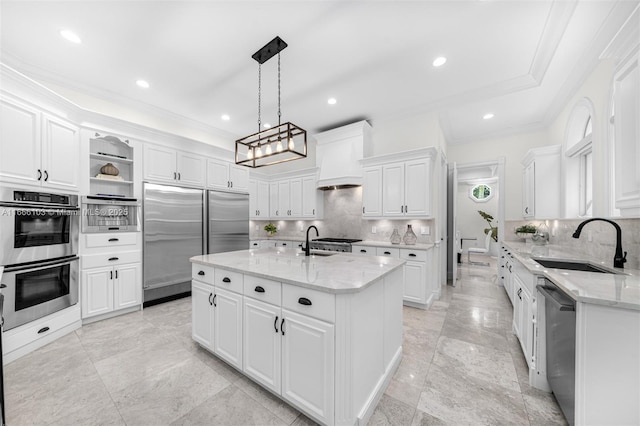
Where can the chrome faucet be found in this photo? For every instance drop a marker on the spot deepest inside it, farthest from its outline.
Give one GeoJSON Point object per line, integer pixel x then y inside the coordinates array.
{"type": "Point", "coordinates": [618, 259]}
{"type": "Point", "coordinates": [306, 247]}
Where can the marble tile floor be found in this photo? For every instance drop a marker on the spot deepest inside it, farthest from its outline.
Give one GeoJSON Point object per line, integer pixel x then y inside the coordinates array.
{"type": "Point", "coordinates": [461, 365]}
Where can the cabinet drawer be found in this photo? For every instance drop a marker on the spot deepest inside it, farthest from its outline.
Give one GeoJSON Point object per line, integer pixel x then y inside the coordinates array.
{"type": "Point", "coordinates": [309, 302]}
{"type": "Point", "coordinates": [364, 250]}
{"type": "Point", "coordinates": [389, 252]}
{"type": "Point", "coordinates": [414, 255]}
{"type": "Point", "coordinates": [110, 259]}
{"type": "Point", "coordinates": [202, 273]}
{"type": "Point", "coordinates": [111, 240]}
{"type": "Point", "coordinates": [228, 280]}
{"type": "Point", "coordinates": [262, 289]}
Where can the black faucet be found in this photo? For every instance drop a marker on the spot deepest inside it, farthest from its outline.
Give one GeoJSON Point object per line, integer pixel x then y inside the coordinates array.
{"type": "Point", "coordinates": [618, 258]}
{"type": "Point", "coordinates": [306, 247]}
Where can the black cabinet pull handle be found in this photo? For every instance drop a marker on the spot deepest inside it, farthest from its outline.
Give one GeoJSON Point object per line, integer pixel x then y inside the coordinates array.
{"type": "Point", "coordinates": [363, 251]}
{"type": "Point", "coordinates": [46, 175]}
{"type": "Point", "coordinates": [259, 289]}
{"type": "Point", "coordinates": [362, 209]}
{"type": "Point", "coordinates": [412, 255]}
{"type": "Point", "coordinates": [214, 300]}
{"type": "Point", "coordinates": [175, 176]}
{"type": "Point", "coordinates": [201, 273]}
{"type": "Point", "coordinates": [116, 274]}
{"type": "Point", "coordinates": [43, 330]}
{"type": "Point", "coordinates": [39, 174]}
{"type": "Point", "coordinates": [178, 175]}
{"type": "Point", "coordinates": [111, 259]}
{"type": "Point", "coordinates": [226, 280]}
{"type": "Point", "coordinates": [282, 326]}
{"type": "Point", "coordinates": [113, 239]}
{"type": "Point", "coordinates": [304, 301]}
{"type": "Point", "coordinates": [210, 301]}
{"type": "Point", "coordinates": [284, 244]}
{"type": "Point", "coordinates": [275, 324]}
{"type": "Point", "coordinates": [110, 275]}
{"type": "Point", "coordinates": [3, 286]}
{"type": "Point", "coordinates": [387, 253]}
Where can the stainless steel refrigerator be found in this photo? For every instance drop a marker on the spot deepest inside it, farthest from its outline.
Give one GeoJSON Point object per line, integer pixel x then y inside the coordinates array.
{"type": "Point", "coordinates": [228, 222]}
{"type": "Point", "coordinates": [174, 231]}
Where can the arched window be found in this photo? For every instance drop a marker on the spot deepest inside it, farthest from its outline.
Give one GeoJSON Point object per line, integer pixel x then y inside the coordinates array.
{"type": "Point", "coordinates": [579, 153]}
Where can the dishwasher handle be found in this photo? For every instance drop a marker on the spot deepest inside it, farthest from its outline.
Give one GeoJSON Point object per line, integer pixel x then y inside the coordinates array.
{"type": "Point", "coordinates": [551, 294]}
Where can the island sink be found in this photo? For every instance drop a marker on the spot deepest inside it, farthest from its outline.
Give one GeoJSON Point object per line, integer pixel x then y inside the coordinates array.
{"type": "Point", "coordinates": [573, 266]}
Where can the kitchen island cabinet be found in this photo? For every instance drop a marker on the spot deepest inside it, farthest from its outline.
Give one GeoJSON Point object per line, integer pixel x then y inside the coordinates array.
{"type": "Point", "coordinates": [324, 333]}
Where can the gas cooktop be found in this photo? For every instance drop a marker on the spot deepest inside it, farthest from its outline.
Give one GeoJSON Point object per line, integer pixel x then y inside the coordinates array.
{"type": "Point", "coordinates": [337, 240]}
{"type": "Point", "coordinates": [333, 244]}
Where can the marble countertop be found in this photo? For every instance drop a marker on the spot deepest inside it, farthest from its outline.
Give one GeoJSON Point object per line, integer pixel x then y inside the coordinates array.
{"type": "Point", "coordinates": [386, 244]}
{"type": "Point", "coordinates": [620, 290]}
{"type": "Point", "coordinates": [338, 273]}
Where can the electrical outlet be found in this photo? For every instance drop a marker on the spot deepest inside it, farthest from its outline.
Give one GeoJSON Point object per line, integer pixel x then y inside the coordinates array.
{"type": "Point", "coordinates": [257, 228]}
{"type": "Point", "coordinates": [424, 230]}
{"type": "Point", "coordinates": [373, 230]}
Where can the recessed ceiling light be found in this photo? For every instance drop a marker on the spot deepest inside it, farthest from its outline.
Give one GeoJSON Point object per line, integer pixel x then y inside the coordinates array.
{"type": "Point", "coordinates": [143, 83]}
{"type": "Point", "coordinates": [70, 36]}
{"type": "Point", "coordinates": [488, 116]}
{"type": "Point", "coordinates": [439, 61]}
{"type": "Point", "coordinates": [266, 125]}
{"type": "Point", "coordinates": [332, 101]}
{"type": "Point", "coordinates": [225, 117]}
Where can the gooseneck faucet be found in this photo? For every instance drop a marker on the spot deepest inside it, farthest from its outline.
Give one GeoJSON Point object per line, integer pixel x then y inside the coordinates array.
{"type": "Point", "coordinates": [306, 247]}
{"type": "Point", "coordinates": [619, 258]}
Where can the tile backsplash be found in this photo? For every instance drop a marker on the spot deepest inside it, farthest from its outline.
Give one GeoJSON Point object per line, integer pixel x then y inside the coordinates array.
{"type": "Point", "coordinates": [602, 235]}
{"type": "Point", "coordinates": [343, 219]}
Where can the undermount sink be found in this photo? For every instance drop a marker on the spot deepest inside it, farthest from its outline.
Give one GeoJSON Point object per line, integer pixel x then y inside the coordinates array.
{"type": "Point", "coordinates": [323, 253]}
{"type": "Point", "coordinates": [573, 266]}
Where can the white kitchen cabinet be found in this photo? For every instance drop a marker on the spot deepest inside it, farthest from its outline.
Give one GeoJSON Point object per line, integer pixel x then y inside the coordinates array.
{"type": "Point", "coordinates": [312, 204]}
{"type": "Point", "coordinates": [225, 176]}
{"type": "Point", "coordinates": [258, 199]}
{"type": "Point", "coordinates": [372, 191]}
{"type": "Point", "coordinates": [262, 343]}
{"type": "Point", "coordinates": [171, 166]}
{"type": "Point", "coordinates": [414, 282]}
{"type": "Point", "coordinates": [308, 364]}
{"type": "Point", "coordinates": [227, 326]}
{"type": "Point", "coordinates": [110, 288]}
{"type": "Point", "coordinates": [393, 189]}
{"type": "Point", "coordinates": [37, 148]}
{"type": "Point", "coordinates": [406, 189]}
{"type": "Point", "coordinates": [541, 183]}
{"type": "Point", "coordinates": [274, 200]}
{"type": "Point", "coordinates": [202, 313]}
{"type": "Point", "coordinates": [284, 199]}
{"type": "Point", "coordinates": [295, 197]}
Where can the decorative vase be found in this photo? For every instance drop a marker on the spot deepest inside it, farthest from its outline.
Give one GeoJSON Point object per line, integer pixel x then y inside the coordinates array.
{"type": "Point", "coordinates": [395, 236]}
{"type": "Point", "coordinates": [109, 169]}
{"type": "Point", "coordinates": [409, 236]}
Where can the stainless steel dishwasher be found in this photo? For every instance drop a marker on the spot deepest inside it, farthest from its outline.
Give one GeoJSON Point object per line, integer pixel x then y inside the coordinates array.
{"type": "Point", "coordinates": [560, 328]}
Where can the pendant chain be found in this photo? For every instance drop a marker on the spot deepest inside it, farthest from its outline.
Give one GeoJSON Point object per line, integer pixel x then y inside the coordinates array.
{"type": "Point", "coordinates": [279, 113]}
{"type": "Point", "coordinates": [259, 90]}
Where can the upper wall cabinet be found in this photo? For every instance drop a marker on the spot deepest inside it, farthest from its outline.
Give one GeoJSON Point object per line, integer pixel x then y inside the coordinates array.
{"type": "Point", "coordinates": [225, 176]}
{"type": "Point", "coordinates": [291, 198]}
{"type": "Point", "coordinates": [37, 148]}
{"type": "Point", "coordinates": [258, 199]}
{"type": "Point", "coordinates": [170, 166]}
{"type": "Point", "coordinates": [108, 149]}
{"type": "Point", "coordinates": [399, 185]}
{"type": "Point", "coordinates": [627, 137]}
{"type": "Point", "coordinates": [541, 183]}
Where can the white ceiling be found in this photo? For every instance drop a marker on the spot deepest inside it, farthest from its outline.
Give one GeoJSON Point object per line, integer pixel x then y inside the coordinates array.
{"type": "Point", "coordinates": [520, 60]}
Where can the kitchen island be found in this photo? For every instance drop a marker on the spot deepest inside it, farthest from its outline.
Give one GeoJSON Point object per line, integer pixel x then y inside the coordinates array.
{"type": "Point", "coordinates": [324, 333]}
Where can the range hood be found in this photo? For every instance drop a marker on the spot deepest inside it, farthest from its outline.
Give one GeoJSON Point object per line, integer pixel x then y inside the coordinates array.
{"type": "Point", "coordinates": [338, 155]}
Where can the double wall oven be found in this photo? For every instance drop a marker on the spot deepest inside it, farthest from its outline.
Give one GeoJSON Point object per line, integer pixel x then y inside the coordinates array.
{"type": "Point", "coordinates": [39, 252]}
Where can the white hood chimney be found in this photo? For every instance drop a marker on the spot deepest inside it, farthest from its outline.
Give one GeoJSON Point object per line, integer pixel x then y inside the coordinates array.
{"type": "Point", "coordinates": [338, 155]}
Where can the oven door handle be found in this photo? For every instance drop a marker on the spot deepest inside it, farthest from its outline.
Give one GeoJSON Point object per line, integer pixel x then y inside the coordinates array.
{"type": "Point", "coordinates": [41, 265]}
{"type": "Point", "coordinates": [48, 208]}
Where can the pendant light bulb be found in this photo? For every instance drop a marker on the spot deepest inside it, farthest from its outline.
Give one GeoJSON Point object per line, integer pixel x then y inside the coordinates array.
{"type": "Point", "coordinates": [259, 152]}
{"type": "Point", "coordinates": [292, 145]}
{"type": "Point", "coordinates": [250, 154]}
{"type": "Point", "coordinates": [279, 146]}
{"type": "Point", "coordinates": [268, 150]}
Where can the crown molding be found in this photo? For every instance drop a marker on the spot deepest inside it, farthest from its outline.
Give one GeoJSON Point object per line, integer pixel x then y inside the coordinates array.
{"type": "Point", "coordinates": [626, 39]}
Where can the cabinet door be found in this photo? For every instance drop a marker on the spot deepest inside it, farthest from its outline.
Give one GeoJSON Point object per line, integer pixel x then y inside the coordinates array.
{"type": "Point", "coordinates": [262, 343]}
{"type": "Point", "coordinates": [192, 169]}
{"type": "Point", "coordinates": [415, 282]}
{"type": "Point", "coordinates": [308, 364]}
{"type": "Point", "coordinates": [60, 154]}
{"type": "Point", "coordinates": [97, 291]}
{"type": "Point", "coordinates": [528, 191]}
{"type": "Point", "coordinates": [526, 326]}
{"type": "Point", "coordinates": [239, 178]}
{"type": "Point", "coordinates": [218, 174]}
{"type": "Point", "coordinates": [295, 198]}
{"type": "Point", "coordinates": [227, 326]}
{"type": "Point", "coordinates": [253, 199]}
{"type": "Point", "coordinates": [127, 289]}
{"type": "Point", "coordinates": [159, 163]}
{"type": "Point", "coordinates": [19, 142]}
{"type": "Point", "coordinates": [202, 313]}
{"type": "Point", "coordinates": [274, 200]}
{"type": "Point", "coordinates": [284, 203]}
{"type": "Point", "coordinates": [393, 189]}
{"type": "Point", "coordinates": [263, 199]}
{"type": "Point", "coordinates": [517, 305]}
{"type": "Point", "coordinates": [372, 191]}
{"type": "Point", "coordinates": [309, 196]}
{"type": "Point", "coordinates": [417, 184]}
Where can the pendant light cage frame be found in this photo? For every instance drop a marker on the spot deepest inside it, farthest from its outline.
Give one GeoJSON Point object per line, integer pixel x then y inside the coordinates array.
{"type": "Point", "coordinates": [279, 144]}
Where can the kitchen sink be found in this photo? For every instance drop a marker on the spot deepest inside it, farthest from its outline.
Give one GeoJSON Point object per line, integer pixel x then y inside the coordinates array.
{"type": "Point", "coordinates": [573, 266]}
{"type": "Point", "coordinates": [323, 253]}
